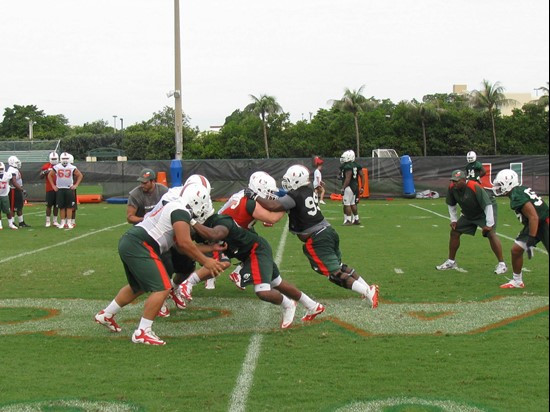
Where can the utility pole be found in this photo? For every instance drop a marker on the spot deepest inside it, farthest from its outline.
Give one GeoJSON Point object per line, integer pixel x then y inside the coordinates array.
{"type": "Point", "coordinates": [177, 92]}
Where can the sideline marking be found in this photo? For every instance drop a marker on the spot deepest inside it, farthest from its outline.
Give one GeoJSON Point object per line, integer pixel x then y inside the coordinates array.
{"type": "Point", "coordinates": [498, 234]}
{"type": "Point", "coordinates": [60, 243]}
{"type": "Point", "coordinates": [240, 392]}
{"type": "Point", "coordinates": [88, 272]}
{"type": "Point", "coordinates": [398, 271]}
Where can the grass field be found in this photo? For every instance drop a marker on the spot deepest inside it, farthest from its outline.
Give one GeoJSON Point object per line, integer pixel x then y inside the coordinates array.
{"type": "Point", "coordinates": [438, 341]}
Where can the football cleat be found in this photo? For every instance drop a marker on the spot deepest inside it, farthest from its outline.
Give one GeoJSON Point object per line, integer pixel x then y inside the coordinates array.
{"type": "Point", "coordinates": [288, 315]}
{"type": "Point", "coordinates": [186, 289]}
{"type": "Point", "coordinates": [13, 227]}
{"type": "Point", "coordinates": [501, 268]}
{"type": "Point", "coordinates": [236, 279]}
{"type": "Point", "coordinates": [164, 312]}
{"type": "Point", "coordinates": [210, 283]}
{"type": "Point", "coordinates": [23, 224]}
{"type": "Point", "coordinates": [322, 202]}
{"type": "Point", "coordinates": [513, 284]}
{"type": "Point", "coordinates": [108, 322]}
{"type": "Point", "coordinates": [48, 224]}
{"type": "Point", "coordinates": [448, 264]}
{"type": "Point", "coordinates": [356, 222]}
{"type": "Point", "coordinates": [147, 337]}
{"type": "Point", "coordinates": [178, 299]}
{"type": "Point", "coordinates": [310, 315]}
{"type": "Point", "coordinates": [347, 223]}
{"type": "Point", "coordinates": [372, 296]}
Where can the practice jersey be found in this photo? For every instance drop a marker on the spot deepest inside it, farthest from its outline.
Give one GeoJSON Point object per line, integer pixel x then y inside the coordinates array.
{"type": "Point", "coordinates": [519, 196]}
{"type": "Point", "coordinates": [145, 202]}
{"type": "Point", "coordinates": [472, 199]}
{"type": "Point", "coordinates": [473, 171]}
{"type": "Point", "coordinates": [303, 210]}
{"type": "Point", "coordinates": [46, 167]}
{"type": "Point", "coordinates": [239, 241]}
{"type": "Point", "coordinates": [240, 208]}
{"type": "Point", "coordinates": [64, 175]}
{"type": "Point", "coordinates": [158, 224]}
{"type": "Point", "coordinates": [354, 167]}
{"type": "Point", "coordinates": [14, 171]}
{"type": "Point", "coordinates": [5, 179]}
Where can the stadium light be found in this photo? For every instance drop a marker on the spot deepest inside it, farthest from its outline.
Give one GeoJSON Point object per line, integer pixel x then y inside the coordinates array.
{"type": "Point", "coordinates": [114, 121]}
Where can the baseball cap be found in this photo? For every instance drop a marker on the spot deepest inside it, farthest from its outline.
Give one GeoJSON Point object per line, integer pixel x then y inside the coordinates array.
{"type": "Point", "coordinates": [318, 161]}
{"type": "Point", "coordinates": [145, 175]}
{"type": "Point", "coordinates": [458, 175]}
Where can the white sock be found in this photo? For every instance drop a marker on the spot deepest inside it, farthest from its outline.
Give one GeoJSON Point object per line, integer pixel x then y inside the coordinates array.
{"type": "Point", "coordinates": [451, 260]}
{"type": "Point", "coordinates": [10, 222]}
{"type": "Point", "coordinates": [73, 221]}
{"type": "Point", "coordinates": [363, 281]}
{"type": "Point", "coordinates": [63, 222]}
{"type": "Point", "coordinates": [287, 302]}
{"type": "Point", "coordinates": [145, 324]}
{"type": "Point", "coordinates": [309, 303]}
{"type": "Point", "coordinates": [355, 218]}
{"type": "Point", "coordinates": [359, 288]}
{"type": "Point", "coordinates": [20, 218]}
{"type": "Point", "coordinates": [347, 218]}
{"type": "Point", "coordinates": [48, 220]}
{"type": "Point", "coordinates": [518, 278]}
{"type": "Point", "coordinates": [238, 269]}
{"type": "Point", "coordinates": [113, 308]}
{"type": "Point", "coordinates": [193, 279]}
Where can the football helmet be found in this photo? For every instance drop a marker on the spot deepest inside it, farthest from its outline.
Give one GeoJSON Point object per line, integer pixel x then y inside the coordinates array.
{"type": "Point", "coordinates": [347, 156]}
{"type": "Point", "coordinates": [71, 158]}
{"type": "Point", "coordinates": [14, 162]}
{"type": "Point", "coordinates": [197, 200]}
{"type": "Point", "coordinates": [54, 158]}
{"type": "Point", "coordinates": [296, 176]}
{"type": "Point", "coordinates": [263, 185]}
{"type": "Point", "coordinates": [2, 167]}
{"type": "Point", "coordinates": [471, 156]}
{"type": "Point", "coordinates": [65, 158]}
{"type": "Point", "coordinates": [505, 181]}
{"type": "Point", "coordinates": [199, 179]}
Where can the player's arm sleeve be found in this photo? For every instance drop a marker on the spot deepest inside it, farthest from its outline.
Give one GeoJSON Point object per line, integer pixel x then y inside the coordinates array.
{"type": "Point", "coordinates": [287, 202]}
{"type": "Point", "coordinates": [489, 215]}
{"type": "Point", "coordinates": [453, 213]}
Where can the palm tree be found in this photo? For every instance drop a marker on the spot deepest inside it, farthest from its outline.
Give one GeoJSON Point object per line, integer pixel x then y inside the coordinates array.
{"type": "Point", "coordinates": [543, 100]}
{"type": "Point", "coordinates": [263, 107]}
{"type": "Point", "coordinates": [491, 97]}
{"type": "Point", "coordinates": [354, 102]}
{"type": "Point", "coordinates": [424, 113]}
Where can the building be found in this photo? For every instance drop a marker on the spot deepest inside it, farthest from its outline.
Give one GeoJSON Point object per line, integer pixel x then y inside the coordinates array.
{"type": "Point", "coordinates": [520, 98]}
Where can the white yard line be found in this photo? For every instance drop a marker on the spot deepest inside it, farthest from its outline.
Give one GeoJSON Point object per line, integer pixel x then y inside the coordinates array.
{"type": "Point", "coordinates": [239, 396]}
{"type": "Point", "coordinates": [498, 234]}
{"type": "Point", "coordinates": [32, 252]}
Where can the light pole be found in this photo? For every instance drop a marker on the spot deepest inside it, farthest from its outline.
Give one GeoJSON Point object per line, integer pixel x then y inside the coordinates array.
{"type": "Point", "coordinates": [177, 92]}
{"type": "Point", "coordinates": [114, 121]}
{"type": "Point", "coordinates": [31, 124]}
{"type": "Point", "coordinates": [121, 124]}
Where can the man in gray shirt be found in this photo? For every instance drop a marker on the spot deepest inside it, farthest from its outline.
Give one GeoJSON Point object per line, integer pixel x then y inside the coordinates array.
{"type": "Point", "coordinates": [143, 198]}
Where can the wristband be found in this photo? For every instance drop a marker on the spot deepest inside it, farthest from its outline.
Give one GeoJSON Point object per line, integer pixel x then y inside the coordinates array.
{"type": "Point", "coordinates": [192, 222]}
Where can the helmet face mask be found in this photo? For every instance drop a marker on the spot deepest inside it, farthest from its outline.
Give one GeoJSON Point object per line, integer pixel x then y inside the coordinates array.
{"type": "Point", "coordinates": [505, 181]}
{"type": "Point", "coordinates": [471, 157]}
{"type": "Point", "coordinates": [54, 158]}
{"type": "Point", "coordinates": [296, 176]}
{"type": "Point", "coordinates": [347, 156]}
{"type": "Point", "coordinates": [197, 201]}
{"type": "Point", "coordinates": [14, 161]}
{"type": "Point", "coordinates": [65, 158]}
{"type": "Point", "coordinates": [263, 185]}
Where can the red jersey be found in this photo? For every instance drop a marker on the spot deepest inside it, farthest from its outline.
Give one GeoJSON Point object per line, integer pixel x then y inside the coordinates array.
{"type": "Point", "coordinates": [240, 208]}
{"type": "Point", "coordinates": [47, 167]}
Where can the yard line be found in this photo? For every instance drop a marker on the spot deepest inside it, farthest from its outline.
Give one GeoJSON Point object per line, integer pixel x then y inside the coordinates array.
{"type": "Point", "coordinates": [498, 234]}
{"type": "Point", "coordinates": [31, 252]}
{"type": "Point", "coordinates": [239, 396]}
{"type": "Point", "coordinates": [398, 271]}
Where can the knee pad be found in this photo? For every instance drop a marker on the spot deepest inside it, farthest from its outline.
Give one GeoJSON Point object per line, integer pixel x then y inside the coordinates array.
{"type": "Point", "coordinates": [346, 269]}
{"type": "Point", "coordinates": [339, 278]}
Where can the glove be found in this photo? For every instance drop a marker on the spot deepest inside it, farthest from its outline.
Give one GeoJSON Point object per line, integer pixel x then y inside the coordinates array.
{"type": "Point", "coordinates": [250, 194]}
{"type": "Point", "coordinates": [531, 242]}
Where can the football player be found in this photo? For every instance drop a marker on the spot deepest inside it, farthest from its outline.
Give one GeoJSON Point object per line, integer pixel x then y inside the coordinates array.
{"type": "Point", "coordinates": [140, 250]}
{"type": "Point", "coordinates": [321, 241]}
{"type": "Point", "coordinates": [350, 172]}
{"type": "Point", "coordinates": [532, 212]}
{"type": "Point", "coordinates": [5, 180]}
{"type": "Point", "coordinates": [478, 210]}
{"type": "Point", "coordinates": [474, 169]}
{"type": "Point", "coordinates": [17, 193]}
{"type": "Point", "coordinates": [50, 193]}
{"type": "Point", "coordinates": [62, 178]}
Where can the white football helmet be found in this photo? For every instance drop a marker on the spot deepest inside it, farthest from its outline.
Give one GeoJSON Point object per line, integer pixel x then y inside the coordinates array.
{"type": "Point", "coordinates": [2, 167]}
{"type": "Point", "coordinates": [54, 158]}
{"type": "Point", "coordinates": [199, 179]}
{"type": "Point", "coordinates": [197, 200]}
{"type": "Point", "coordinates": [347, 156]}
{"type": "Point", "coordinates": [14, 162]}
{"type": "Point", "coordinates": [71, 158]}
{"type": "Point", "coordinates": [263, 185]}
{"type": "Point", "coordinates": [65, 158]}
{"type": "Point", "coordinates": [471, 156]}
{"type": "Point", "coordinates": [296, 176]}
{"type": "Point", "coordinates": [505, 181]}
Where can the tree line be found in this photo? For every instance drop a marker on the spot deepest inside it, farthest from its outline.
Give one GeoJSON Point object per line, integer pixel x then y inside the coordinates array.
{"type": "Point", "coordinates": [439, 125]}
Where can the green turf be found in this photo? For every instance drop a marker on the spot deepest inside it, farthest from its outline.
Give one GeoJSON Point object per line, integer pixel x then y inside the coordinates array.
{"type": "Point", "coordinates": [438, 341]}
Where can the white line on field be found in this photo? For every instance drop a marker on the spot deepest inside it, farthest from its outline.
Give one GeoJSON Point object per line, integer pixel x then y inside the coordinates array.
{"type": "Point", "coordinates": [31, 252]}
{"type": "Point", "coordinates": [398, 271]}
{"type": "Point", "coordinates": [241, 390]}
{"type": "Point", "coordinates": [498, 234]}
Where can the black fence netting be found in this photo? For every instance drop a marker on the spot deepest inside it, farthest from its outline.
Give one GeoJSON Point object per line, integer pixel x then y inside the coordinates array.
{"type": "Point", "coordinates": [116, 179]}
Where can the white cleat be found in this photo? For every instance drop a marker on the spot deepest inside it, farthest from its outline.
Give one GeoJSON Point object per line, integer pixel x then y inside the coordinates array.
{"type": "Point", "coordinates": [288, 315]}
{"type": "Point", "coordinates": [501, 268]}
{"type": "Point", "coordinates": [448, 264]}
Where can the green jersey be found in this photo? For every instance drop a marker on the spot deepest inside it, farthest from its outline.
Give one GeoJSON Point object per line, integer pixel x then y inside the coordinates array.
{"type": "Point", "coordinates": [354, 168]}
{"type": "Point", "coordinates": [472, 199]}
{"type": "Point", "coordinates": [239, 241]}
{"type": "Point", "coordinates": [473, 171]}
{"type": "Point", "coordinates": [519, 196]}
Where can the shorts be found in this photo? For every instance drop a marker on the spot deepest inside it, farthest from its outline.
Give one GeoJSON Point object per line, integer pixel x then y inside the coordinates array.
{"type": "Point", "coordinates": [16, 199]}
{"type": "Point", "coordinates": [469, 227]}
{"type": "Point", "coordinates": [350, 197]}
{"type": "Point", "coordinates": [50, 198]}
{"type": "Point", "coordinates": [323, 251]}
{"type": "Point", "coordinates": [542, 235]}
{"type": "Point", "coordinates": [65, 198]}
{"type": "Point", "coordinates": [144, 268]}
{"type": "Point", "coordinates": [259, 266]}
{"type": "Point", "coordinates": [5, 204]}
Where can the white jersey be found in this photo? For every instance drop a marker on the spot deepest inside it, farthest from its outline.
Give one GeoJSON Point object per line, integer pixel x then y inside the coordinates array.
{"type": "Point", "coordinates": [158, 223]}
{"type": "Point", "coordinates": [317, 178]}
{"type": "Point", "coordinates": [64, 175]}
{"type": "Point", "coordinates": [5, 179]}
{"type": "Point", "coordinates": [14, 171]}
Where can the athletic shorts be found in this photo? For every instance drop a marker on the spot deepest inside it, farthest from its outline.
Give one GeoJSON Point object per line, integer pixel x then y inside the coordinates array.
{"type": "Point", "coordinates": [143, 266]}
{"type": "Point", "coordinates": [16, 199]}
{"type": "Point", "coordinates": [350, 197]}
{"type": "Point", "coordinates": [323, 251]}
{"type": "Point", "coordinates": [259, 266]}
{"type": "Point", "coordinates": [51, 198]}
{"type": "Point", "coordinates": [469, 227]}
{"type": "Point", "coordinates": [5, 204]}
{"type": "Point", "coordinates": [542, 234]}
{"type": "Point", "coordinates": [65, 198]}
